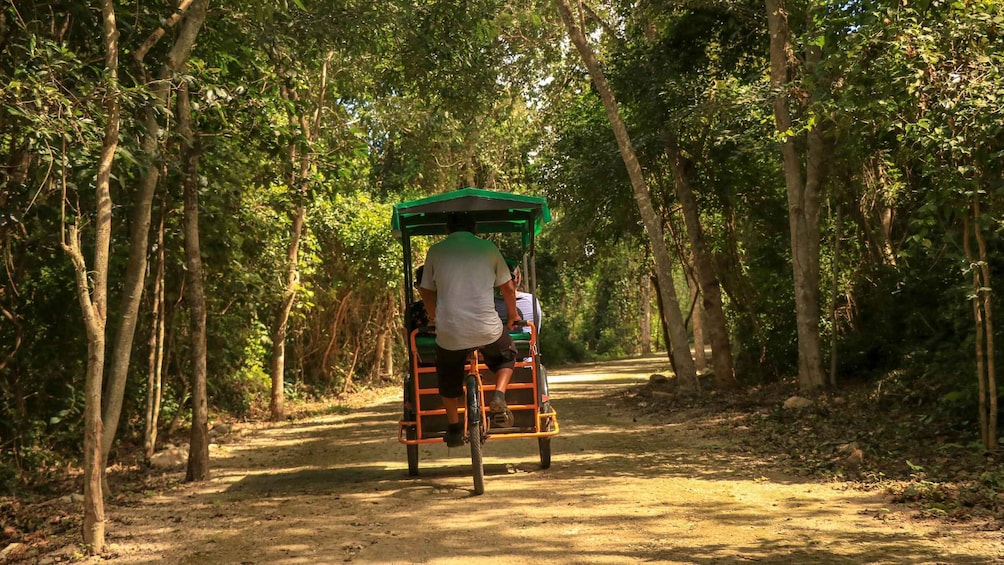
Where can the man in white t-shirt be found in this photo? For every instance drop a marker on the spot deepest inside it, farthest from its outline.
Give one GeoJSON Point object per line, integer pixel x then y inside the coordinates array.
{"type": "Point", "coordinates": [457, 288]}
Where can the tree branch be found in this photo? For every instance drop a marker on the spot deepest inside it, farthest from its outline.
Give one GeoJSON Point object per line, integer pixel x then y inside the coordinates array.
{"type": "Point", "coordinates": [154, 37]}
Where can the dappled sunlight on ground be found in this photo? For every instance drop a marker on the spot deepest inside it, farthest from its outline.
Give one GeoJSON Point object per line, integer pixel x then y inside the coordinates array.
{"type": "Point", "coordinates": [622, 489]}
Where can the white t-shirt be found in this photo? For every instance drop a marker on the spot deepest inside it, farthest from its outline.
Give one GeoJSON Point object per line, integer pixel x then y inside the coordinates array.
{"type": "Point", "coordinates": [463, 270]}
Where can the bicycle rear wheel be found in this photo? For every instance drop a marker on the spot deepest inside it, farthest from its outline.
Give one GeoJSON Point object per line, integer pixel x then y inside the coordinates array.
{"type": "Point", "coordinates": [474, 435]}
{"type": "Point", "coordinates": [475, 431]}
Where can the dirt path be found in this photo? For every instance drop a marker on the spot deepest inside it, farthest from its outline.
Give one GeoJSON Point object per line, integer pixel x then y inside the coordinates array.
{"type": "Point", "coordinates": [334, 489]}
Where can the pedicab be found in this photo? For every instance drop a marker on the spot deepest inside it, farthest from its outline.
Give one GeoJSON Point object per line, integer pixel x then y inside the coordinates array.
{"type": "Point", "coordinates": [424, 417]}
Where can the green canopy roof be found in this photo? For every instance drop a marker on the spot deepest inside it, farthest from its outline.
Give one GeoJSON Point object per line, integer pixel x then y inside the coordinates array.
{"type": "Point", "coordinates": [494, 212]}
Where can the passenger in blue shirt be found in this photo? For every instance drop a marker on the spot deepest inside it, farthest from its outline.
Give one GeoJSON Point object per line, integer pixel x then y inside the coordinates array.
{"type": "Point", "coordinates": [525, 302]}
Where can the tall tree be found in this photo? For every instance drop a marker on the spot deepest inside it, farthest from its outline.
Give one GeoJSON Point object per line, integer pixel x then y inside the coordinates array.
{"type": "Point", "coordinates": [683, 361]}
{"type": "Point", "coordinates": [93, 297]}
{"type": "Point", "coordinates": [155, 360]}
{"type": "Point", "coordinates": [198, 449]}
{"type": "Point", "coordinates": [712, 319]}
{"type": "Point", "coordinates": [192, 14]}
{"type": "Point", "coordinates": [301, 156]}
{"type": "Point", "coordinates": [803, 195]}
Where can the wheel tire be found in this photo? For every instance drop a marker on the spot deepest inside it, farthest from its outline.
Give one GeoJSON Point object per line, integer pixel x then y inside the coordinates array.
{"type": "Point", "coordinates": [411, 433]}
{"type": "Point", "coordinates": [544, 443]}
{"type": "Point", "coordinates": [477, 457]}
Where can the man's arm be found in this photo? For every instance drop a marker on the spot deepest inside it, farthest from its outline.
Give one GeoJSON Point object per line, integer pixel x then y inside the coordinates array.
{"type": "Point", "coordinates": [508, 291]}
{"type": "Point", "coordinates": [429, 299]}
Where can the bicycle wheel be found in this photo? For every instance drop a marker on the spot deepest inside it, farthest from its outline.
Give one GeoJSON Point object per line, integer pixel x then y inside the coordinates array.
{"type": "Point", "coordinates": [411, 433]}
{"type": "Point", "coordinates": [544, 444]}
{"type": "Point", "coordinates": [475, 432]}
{"type": "Point", "coordinates": [477, 457]}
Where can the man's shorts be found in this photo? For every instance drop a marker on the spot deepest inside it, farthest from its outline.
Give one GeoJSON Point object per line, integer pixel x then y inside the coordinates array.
{"type": "Point", "coordinates": [450, 364]}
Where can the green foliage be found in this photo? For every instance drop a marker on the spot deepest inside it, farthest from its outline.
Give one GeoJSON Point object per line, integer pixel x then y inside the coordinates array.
{"type": "Point", "coordinates": [240, 389]}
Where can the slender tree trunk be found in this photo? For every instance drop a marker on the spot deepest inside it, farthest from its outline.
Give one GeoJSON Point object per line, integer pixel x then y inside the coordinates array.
{"type": "Point", "coordinates": [803, 199]}
{"type": "Point", "coordinates": [986, 291]}
{"type": "Point", "coordinates": [134, 279]}
{"type": "Point", "coordinates": [983, 318]}
{"type": "Point", "coordinates": [389, 356]}
{"type": "Point", "coordinates": [680, 344]}
{"type": "Point", "coordinates": [279, 329]}
{"type": "Point", "coordinates": [169, 341]}
{"type": "Point", "coordinates": [697, 323]}
{"type": "Point", "coordinates": [645, 313]}
{"type": "Point", "coordinates": [156, 359]}
{"type": "Point", "coordinates": [716, 327]}
{"type": "Point", "coordinates": [835, 290]}
{"type": "Point", "coordinates": [279, 325]}
{"type": "Point", "coordinates": [378, 353]}
{"type": "Point", "coordinates": [140, 225]}
{"type": "Point", "coordinates": [198, 449]}
{"type": "Point", "coordinates": [333, 339]}
{"type": "Point", "coordinates": [665, 330]}
{"type": "Point", "coordinates": [94, 299]}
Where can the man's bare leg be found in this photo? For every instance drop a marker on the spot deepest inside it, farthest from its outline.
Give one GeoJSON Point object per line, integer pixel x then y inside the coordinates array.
{"type": "Point", "coordinates": [454, 429]}
{"type": "Point", "coordinates": [498, 404]}
{"type": "Point", "coordinates": [502, 378]}
{"type": "Point", "coordinates": [452, 412]}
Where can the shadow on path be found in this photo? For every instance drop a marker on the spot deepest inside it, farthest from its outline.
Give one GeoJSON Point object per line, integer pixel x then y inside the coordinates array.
{"type": "Point", "coordinates": [335, 488]}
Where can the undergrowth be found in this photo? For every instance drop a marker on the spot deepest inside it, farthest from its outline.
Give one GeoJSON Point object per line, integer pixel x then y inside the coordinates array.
{"type": "Point", "coordinates": [914, 442]}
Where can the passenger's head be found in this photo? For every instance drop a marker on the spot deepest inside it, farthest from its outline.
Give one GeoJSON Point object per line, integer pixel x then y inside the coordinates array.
{"type": "Point", "coordinates": [460, 221]}
{"type": "Point", "coordinates": [514, 271]}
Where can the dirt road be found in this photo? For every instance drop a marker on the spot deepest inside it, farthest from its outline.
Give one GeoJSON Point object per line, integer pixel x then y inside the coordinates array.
{"type": "Point", "coordinates": [335, 489]}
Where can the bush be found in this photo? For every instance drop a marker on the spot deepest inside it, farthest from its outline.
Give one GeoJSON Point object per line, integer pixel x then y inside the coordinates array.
{"type": "Point", "coordinates": [557, 345]}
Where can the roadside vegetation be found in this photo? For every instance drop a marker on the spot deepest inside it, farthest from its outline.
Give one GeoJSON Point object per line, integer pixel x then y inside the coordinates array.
{"type": "Point", "coordinates": [906, 441]}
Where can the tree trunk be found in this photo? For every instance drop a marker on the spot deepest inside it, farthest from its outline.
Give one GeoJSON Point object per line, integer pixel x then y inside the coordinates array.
{"type": "Point", "coordinates": [645, 313]}
{"type": "Point", "coordinates": [378, 352]}
{"type": "Point", "coordinates": [389, 356]}
{"type": "Point", "coordinates": [94, 299]}
{"type": "Point", "coordinates": [333, 339]}
{"type": "Point", "coordinates": [983, 318]}
{"type": "Point", "coordinates": [140, 225]}
{"type": "Point", "coordinates": [279, 325]}
{"type": "Point", "coordinates": [680, 344]}
{"type": "Point", "coordinates": [835, 289]}
{"type": "Point", "coordinates": [697, 323]}
{"type": "Point", "coordinates": [198, 449]}
{"type": "Point", "coordinates": [803, 199]}
{"type": "Point", "coordinates": [134, 278]}
{"type": "Point", "coordinates": [169, 341]}
{"type": "Point", "coordinates": [155, 362]}
{"type": "Point", "coordinates": [716, 325]}
{"type": "Point", "coordinates": [94, 322]}
{"type": "Point", "coordinates": [665, 330]}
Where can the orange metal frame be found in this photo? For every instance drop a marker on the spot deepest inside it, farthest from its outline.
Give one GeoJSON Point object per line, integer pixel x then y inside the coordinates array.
{"type": "Point", "coordinates": [418, 392]}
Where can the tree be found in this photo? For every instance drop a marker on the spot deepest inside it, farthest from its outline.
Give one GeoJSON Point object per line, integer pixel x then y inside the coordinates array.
{"type": "Point", "coordinates": [192, 14]}
{"type": "Point", "coordinates": [682, 360]}
{"type": "Point", "coordinates": [920, 88]}
{"type": "Point", "coordinates": [716, 325]}
{"type": "Point", "coordinates": [299, 216]}
{"type": "Point", "coordinates": [198, 452]}
{"type": "Point", "coordinates": [803, 197]}
{"type": "Point", "coordinates": [94, 299]}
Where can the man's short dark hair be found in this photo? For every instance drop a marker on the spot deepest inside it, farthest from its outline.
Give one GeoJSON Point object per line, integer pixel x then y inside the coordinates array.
{"type": "Point", "coordinates": [460, 221]}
